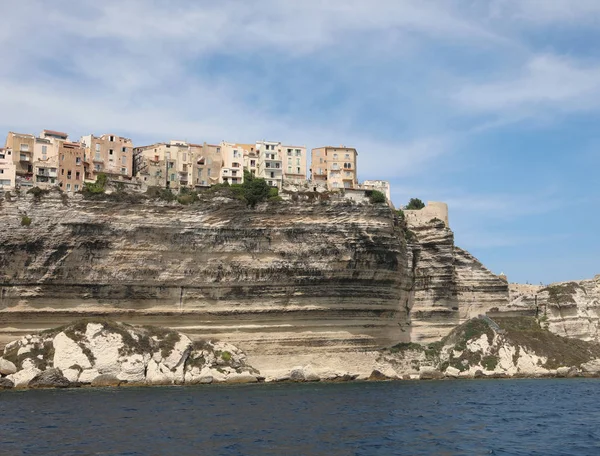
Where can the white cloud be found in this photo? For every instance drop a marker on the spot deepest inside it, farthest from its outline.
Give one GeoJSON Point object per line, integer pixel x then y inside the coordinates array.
{"type": "Point", "coordinates": [546, 81]}
{"type": "Point", "coordinates": [575, 12]}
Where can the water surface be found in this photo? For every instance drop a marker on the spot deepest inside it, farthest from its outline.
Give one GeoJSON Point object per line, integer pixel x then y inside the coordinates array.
{"type": "Point", "coordinates": [501, 417]}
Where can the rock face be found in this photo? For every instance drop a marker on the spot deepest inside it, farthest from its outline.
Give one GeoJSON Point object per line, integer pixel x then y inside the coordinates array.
{"type": "Point", "coordinates": [451, 286]}
{"type": "Point", "coordinates": [50, 378]}
{"type": "Point", "coordinates": [292, 276]}
{"type": "Point", "coordinates": [505, 347]}
{"type": "Point", "coordinates": [107, 353]}
{"type": "Point", "coordinates": [570, 309]}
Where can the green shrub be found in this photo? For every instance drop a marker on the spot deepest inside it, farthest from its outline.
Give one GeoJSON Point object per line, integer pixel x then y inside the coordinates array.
{"type": "Point", "coordinates": [163, 194]}
{"type": "Point", "coordinates": [226, 356]}
{"type": "Point", "coordinates": [187, 198]}
{"type": "Point", "coordinates": [415, 204]}
{"type": "Point", "coordinates": [377, 197]}
{"type": "Point", "coordinates": [25, 221]}
{"type": "Point", "coordinates": [97, 187]}
{"type": "Point", "coordinates": [37, 192]}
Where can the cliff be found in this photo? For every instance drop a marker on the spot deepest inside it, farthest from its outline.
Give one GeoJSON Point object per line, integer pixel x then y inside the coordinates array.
{"type": "Point", "coordinates": [287, 282]}
{"type": "Point", "coordinates": [569, 309]}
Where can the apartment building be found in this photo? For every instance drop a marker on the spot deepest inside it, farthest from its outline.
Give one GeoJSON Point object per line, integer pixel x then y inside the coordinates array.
{"type": "Point", "coordinates": [294, 162]}
{"type": "Point", "coordinates": [206, 164]}
{"type": "Point", "coordinates": [8, 170]}
{"type": "Point", "coordinates": [109, 154]}
{"type": "Point", "coordinates": [232, 170]}
{"type": "Point", "coordinates": [22, 146]}
{"type": "Point", "coordinates": [167, 165]}
{"type": "Point", "coordinates": [270, 163]}
{"type": "Point", "coordinates": [335, 166]}
{"type": "Point", "coordinates": [70, 166]}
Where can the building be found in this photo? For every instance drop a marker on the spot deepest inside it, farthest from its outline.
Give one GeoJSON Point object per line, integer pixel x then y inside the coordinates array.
{"type": "Point", "coordinates": [379, 185]}
{"type": "Point", "coordinates": [336, 166]}
{"type": "Point", "coordinates": [166, 165]}
{"type": "Point", "coordinates": [294, 163]}
{"type": "Point", "coordinates": [109, 154]}
{"type": "Point", "coordinates": [45, 158]}
{"type": "Point", "coordinates": [22, 146]}
{"type": "Point", "coordinates": [270, 163]}
{"type": "Point", "coordinates": [232, 169]}
{"type": "Point", "coordinates": [70, 166]}
{"type": "Point", "coordinates": [8, 170]}
{"type": "Point", "coordinates": [206, 164]}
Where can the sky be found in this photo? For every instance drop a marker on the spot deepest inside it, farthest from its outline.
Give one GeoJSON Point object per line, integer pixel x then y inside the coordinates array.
{"type": "Point", "coordinates": [492, 106]}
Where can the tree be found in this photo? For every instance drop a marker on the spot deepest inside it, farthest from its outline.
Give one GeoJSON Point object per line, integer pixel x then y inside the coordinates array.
{"type": "Point", "coordinates": [415, 204]}
{"type": "Point", "coordinates": [255, 189]}
{"type": "Point", "coordinates": [377, 197]}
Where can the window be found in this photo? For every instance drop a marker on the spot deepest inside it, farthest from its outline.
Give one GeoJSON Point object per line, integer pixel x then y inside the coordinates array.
{"type": "Point", "coordinates": [156, 158]}
{"type": "Point", "coordinates": [62, 157]}
{"type": "Point", "coordinates": [110, 151]}
{"type": "Point", "coordinates": [184, 157]}
{"type": "Point", "coordinates": [44, 150]}
{"type": "Point", "coordinates": [111, 139]}
{"type": "Point", "coordinates": [200, 172]}
{"type": "Point", "coordinates": [289, 152]}
{"type": "Point", "coordinates": [272, 174]}
{"type": "Point", "coordinates": [124, 160]}
{"type": "Point", "coordinates": [298, 170]}
{"type": "Point", "coordinates": [335, 156]}
{"type": "Point", "coordinates": [320, 160]}
{"type": "Point", "coordinates": [347, 184]}
{"type": "Point", "coordinates": [76, 187]}
{"type": "Point", "coordinates": [298, 153]}
{"type": "Point", "coordinates": [335, 166]}
{"type": "Point", "coordinates": [69, 174]}
{"type": "Point", "coordinates": [1, 171]}
{"type": "Point", "coordinates": [218, 150]}
{"type": "Point", "coordinates": [77, 175]}
{"type": "Point", "coordinates": [172, 177]}
{"type": "Point", "coordinates": [297, 161]}
{"type": "Point", "coordinates": [347, 156]}
{"type": "Point", "coordinates": [97, 156]}
{"type": "Point", "coordinates": [24, 147]}
{"type": "Point", "coordinates": [97, 147]}
{"type": "Point", "coordinates": [23, 157]}
{"type": "Point", "coordinates": [335, 185]}
{"type": "Point", "coordinates": [78, 160]}
{"type": "Point", "coordinates": [171, 165]}
{"type": "Point", "coordinates": [68, 187]}
{"type": "Point", "coordinates": [289, 168]}
{"type": "Point", "coordinates": [124, 149]}
{"type": "Point", "coordinates": [123, 170]}
{"type": "Point", "coordinates": [208, 172]}
{"type": "Point", "coordinates": [62, 172]}
{"type": "Point", "coordinates": [96, 167]}
{"type": "Point", "coordinates": [253, 163]}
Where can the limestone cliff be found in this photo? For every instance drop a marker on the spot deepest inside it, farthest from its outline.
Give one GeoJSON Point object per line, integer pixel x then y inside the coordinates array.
{"type": "Point", "coordinates": [451, 286]}
{"type": "Point", "coordinates": [278, 278]}
{"type": "Point", "coordinates": [570, 309]}
{"type": "Point", "coordinates": [286, 282]}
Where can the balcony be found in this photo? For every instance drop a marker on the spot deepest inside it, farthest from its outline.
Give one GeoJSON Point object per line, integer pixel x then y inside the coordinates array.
{"type": "Point", "coordinates": [25, 156]}
{"type": "Point", "coordinates": [46, 173]}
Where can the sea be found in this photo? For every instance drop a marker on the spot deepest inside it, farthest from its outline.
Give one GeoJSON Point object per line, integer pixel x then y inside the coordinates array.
{"type": "Point", "coordinates": [458, 417]}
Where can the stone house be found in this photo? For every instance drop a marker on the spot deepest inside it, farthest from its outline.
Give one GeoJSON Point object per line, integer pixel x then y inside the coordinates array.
{"type": "Point", "coordinates": [336, 166]}
{"type": "Point", "coordinates": [70, 166]}
{"type": "Point", "coordinates": [109, 154]}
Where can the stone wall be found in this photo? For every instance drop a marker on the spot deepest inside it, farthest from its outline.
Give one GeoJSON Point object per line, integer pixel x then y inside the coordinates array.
{"type": "Point", "coordinates": [431, 211]}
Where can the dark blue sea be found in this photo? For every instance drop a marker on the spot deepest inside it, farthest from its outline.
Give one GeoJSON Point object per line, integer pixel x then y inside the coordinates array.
{"type": "Point", "coordinates": [471, 417]}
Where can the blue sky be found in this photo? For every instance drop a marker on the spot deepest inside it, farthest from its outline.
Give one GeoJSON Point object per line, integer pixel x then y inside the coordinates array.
{"type": "Point", "coordinates": [489, 105]}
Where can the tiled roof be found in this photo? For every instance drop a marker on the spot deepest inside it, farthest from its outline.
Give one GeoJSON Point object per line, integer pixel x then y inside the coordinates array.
{"type": "Point", "coordinates": [56, 133]}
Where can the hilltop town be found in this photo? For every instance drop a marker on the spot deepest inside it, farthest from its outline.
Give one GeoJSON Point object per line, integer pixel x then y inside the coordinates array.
{"type": "Point", "coordinates": [53, 160]}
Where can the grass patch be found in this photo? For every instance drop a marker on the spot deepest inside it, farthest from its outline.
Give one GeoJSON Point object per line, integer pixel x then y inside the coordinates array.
{"type": "Point", "coordinates": [562, 293]}
{"type": "Point", "coordinates": [559, 351]}
{"type": "Point", "coordinates": [25, 221]}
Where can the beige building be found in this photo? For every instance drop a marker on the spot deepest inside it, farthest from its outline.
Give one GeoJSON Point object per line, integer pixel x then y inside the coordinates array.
{"type": "Point", "coordinates": [167, 165]}
{"type": "Point", "coordinates": [8, 170]}
{"type": "Point", "coordinates": [232, 169]}
{"type": "Point", "coordinates": [70, 166]}
{"type": "Point", "coordinates": [45, 158]}
{"type": "Point", "coordinates": [206, 165]}
{"type": "Point", "coordinates": [336, 166]}
{"type": "Point", "coordinates": [22, 146]}
{"type": "Point", "coordinates": [270, 163]}
{"type": "Point", "coordinates": [379, 185]}
{"type": "Point", "coordinates": [294, 163]}
{"type": "Point", "coordinates": [109, 154]}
